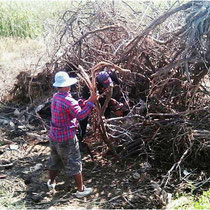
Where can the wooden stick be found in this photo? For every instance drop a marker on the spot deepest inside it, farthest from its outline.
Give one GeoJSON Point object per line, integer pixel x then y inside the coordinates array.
{"type": "Point", "coordinates": [108, 97]}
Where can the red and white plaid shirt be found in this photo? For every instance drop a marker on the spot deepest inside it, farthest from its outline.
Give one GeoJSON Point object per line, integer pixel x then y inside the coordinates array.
{"type": "Point", "coordinates": [65, 113]}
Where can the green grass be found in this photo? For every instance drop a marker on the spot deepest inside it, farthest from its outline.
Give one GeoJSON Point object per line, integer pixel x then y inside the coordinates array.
{"type": "Point", "coordinates": [26, 18]}
{"type": "Point", "coordinates": [188, 201]}
{"type": "Point", "coordinates": [203, 202]}
{"type": "Point", "coordinates": [18, 22]}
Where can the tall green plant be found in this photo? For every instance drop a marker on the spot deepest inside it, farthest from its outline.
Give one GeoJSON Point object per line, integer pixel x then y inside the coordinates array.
{"type": "Point", "coordinates": [26, 18]}
{"type": "Point", "coordinates": [16, 21]}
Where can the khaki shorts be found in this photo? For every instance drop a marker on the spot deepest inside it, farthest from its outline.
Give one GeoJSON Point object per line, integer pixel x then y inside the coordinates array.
{"type": "Point", "coordinates": [66, 155]}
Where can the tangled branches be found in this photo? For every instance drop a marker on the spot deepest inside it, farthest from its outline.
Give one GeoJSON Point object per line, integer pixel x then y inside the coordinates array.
{"type": "Point", "coordinates": [168, 56]}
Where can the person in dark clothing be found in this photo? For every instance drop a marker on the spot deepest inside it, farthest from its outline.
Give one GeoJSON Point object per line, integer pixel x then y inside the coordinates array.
{"type": "Point", "coordinates": [104, 80]}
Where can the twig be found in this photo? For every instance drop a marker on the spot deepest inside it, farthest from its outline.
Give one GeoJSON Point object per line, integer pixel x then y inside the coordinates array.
{"type": "Point", "coordinates": [175, 166]}
{"type": "Point", "coordinates": [126, 200]}
{"type": "Point", "coordinates": [6, 165]}
{"type": "Point", "coordinates": [201, 184]}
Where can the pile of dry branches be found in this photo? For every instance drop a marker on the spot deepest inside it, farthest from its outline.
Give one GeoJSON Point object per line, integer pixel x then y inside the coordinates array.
{"type": "Point", "coordinates": [168, 61]}
{"type": "Point", "coordinates": [168, 56]}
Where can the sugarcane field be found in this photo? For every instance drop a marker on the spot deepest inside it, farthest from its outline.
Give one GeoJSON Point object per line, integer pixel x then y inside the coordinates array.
{"type": "Point", "coordinates": [120, 88]}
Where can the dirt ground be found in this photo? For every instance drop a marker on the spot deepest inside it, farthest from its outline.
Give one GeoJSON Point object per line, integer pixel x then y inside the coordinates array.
{"type": "Point", "coordinates": [115, 185]}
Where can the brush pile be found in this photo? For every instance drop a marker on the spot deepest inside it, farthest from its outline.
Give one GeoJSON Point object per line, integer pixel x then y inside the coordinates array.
{"type": "Point", "coordinates": [168, 56]}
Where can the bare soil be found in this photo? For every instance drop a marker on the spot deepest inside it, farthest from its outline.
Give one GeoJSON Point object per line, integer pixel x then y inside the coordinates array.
{"type": "Point", "coordinates": [114, 183]}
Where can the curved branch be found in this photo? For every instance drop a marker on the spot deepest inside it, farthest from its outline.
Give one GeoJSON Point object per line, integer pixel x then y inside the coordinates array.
{"type": "Point", "coordinates": [96, 31]}
{"type": "Point", "coordinates": [153, 25]}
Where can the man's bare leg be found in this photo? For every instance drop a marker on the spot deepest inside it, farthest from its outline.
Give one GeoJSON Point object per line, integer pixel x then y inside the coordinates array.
{"type": "Point", "coordinates": [79, 181]}
{"type": "Point", "coordinates": [53, 174]}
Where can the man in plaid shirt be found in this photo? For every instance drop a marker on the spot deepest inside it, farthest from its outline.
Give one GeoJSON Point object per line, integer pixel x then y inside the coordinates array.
{"type": "Point", "coordinates": [65, 113]}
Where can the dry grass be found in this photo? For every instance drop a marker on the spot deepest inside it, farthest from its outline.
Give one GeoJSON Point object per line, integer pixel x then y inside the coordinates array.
{"type": "Point", "coordinates": [19, 55]}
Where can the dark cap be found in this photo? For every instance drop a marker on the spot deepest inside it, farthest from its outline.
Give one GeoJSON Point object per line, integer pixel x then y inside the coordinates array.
{"type": "Point", "coordinates": [104, 79]}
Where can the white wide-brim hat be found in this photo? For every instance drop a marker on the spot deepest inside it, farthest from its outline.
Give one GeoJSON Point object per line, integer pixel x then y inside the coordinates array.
{"type": "Point", "coordinates": [62, 79]}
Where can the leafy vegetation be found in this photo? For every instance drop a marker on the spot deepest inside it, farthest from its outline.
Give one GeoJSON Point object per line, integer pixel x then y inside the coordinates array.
{"type": "Point", "coordinates": [203, 201]}
{"type": "Point", "coordinates": [188, 201]}
{"type": "Point", "coordinates": [27, 18]}
{"type": "Point", "coordinates": [18, 22]}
